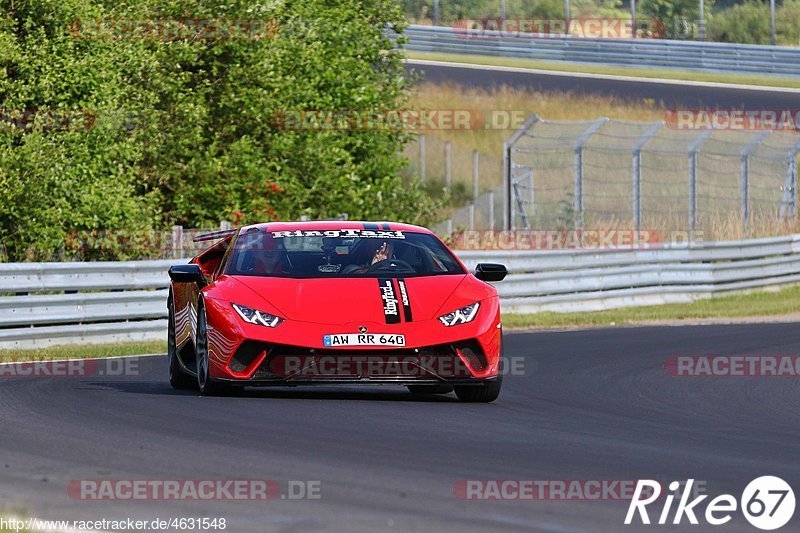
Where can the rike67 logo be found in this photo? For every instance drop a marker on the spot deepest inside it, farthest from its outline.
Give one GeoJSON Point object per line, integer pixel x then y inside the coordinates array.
{"type": "Point", "coordinates": [767, 503]}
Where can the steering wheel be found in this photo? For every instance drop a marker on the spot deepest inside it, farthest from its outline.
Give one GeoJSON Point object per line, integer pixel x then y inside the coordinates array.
{"type": "Point", "coordinates": [390, 264]}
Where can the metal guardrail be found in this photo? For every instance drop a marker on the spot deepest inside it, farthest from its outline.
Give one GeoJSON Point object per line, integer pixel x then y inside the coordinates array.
{"type": "Point", "coordinates": [65, 303]}
{"type": "Point", "coordinates": [127, 299]}
{"type": "Point", "coordinates": [657, 53]}
{"type": "Point", "coordinates": [564, 281]}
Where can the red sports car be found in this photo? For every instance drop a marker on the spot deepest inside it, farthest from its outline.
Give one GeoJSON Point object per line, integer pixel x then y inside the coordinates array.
{"type": "Point", "coordinates": [334, 302]}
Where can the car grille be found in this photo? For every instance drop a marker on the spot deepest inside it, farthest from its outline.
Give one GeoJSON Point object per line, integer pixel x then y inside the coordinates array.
{"type": "Point", "coordinates": [432, 362]}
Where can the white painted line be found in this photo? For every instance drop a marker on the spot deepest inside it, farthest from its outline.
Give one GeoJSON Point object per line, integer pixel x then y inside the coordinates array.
{"type": "Point", "coordinates": [659, 81]}
{"type": "Point", "coordinates": [81, 359]}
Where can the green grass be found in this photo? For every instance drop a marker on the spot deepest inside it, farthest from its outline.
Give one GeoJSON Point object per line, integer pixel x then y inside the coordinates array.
{"type": "Point", "coordinates": [667, 74]}
{"type": "Point", "coordinates": [753, 304]}
{"type": "Point", "coordinates": [84, 351]}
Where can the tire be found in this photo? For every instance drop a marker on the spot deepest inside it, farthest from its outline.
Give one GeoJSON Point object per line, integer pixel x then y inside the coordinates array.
{"type": "Point", "coordinates": [177, 377]}
{"type": "Point", "coordinates": [205, 384]}
{"type": "Point", "coordinates": [483, 393]}
{"type": "Point", "coordinates": [430, 389]}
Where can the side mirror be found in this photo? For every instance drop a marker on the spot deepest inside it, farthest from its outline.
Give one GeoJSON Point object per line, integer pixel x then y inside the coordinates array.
{"type": "Point", "coordinates": [490, 272]}
{"type": "Point", "coordinates": [190, 273]}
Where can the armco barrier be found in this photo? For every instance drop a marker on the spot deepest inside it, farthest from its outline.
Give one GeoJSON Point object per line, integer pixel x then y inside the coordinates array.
{"type": "Point", "coordinates": [62, 303]}
{"type": "Point", "coordinates": [658, 53]}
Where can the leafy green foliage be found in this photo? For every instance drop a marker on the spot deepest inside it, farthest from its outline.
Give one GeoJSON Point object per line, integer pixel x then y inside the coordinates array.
{"type": "Point", "coordinates": [184, 131]}
{"type": "Point", "coordinates": [677, 19]}
{"type": "Point", "coordinates": [749, 23]}
{"type": "Point", "coordinates": [743, 23]}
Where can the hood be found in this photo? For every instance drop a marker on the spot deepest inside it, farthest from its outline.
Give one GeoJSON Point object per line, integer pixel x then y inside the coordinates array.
{"type": "Point", "coordinates": [345, 300]}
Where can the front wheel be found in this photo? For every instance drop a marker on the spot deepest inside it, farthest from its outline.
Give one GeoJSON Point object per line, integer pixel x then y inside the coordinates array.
{"type": "Point", "coordinates": [177, 377]}
{"type": "Point", "coordinates": [483, 393]}
{"type": "Point", "coordinates": [206, 386]}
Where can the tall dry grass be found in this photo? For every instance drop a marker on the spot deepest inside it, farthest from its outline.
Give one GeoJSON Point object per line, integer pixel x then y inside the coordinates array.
{"type": "Point", "coordinates": [489, 142]}
{"type": "Point", "coordinates": [607, 191]}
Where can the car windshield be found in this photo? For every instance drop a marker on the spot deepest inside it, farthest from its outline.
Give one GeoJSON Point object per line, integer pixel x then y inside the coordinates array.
{"type": "Point", "coordinates": [338, 254]}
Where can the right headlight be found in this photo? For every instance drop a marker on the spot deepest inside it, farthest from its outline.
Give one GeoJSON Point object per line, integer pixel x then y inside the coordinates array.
{"type": "Point", "coordinates": [460, 316]}
{"type": "Point", "coordinates": [254, 316]}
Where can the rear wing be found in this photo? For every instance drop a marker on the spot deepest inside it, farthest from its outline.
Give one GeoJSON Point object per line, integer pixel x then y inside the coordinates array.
{"type": "Point", "coordinates": [215, 235]}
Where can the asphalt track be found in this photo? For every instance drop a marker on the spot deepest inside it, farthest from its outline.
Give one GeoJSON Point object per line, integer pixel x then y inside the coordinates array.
{"type": "Point", "coordinates": [669, 94]}
{"type": "Point", "coordinates": [588, 405]}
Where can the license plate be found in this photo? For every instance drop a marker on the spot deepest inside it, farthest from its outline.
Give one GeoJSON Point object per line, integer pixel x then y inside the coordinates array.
{"type": "Point", "coordinates": [365, 339]}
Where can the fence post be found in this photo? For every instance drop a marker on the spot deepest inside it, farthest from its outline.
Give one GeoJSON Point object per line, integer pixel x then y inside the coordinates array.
{"type": "Point", "coordinates": [472, 216]}
{"type": "Point", "coordinates": [693, 148]}
{"type": "Point", "coordinates": [507, 222]}
{"type": "Point", "coordinates": [421, 141]}
{"type": "Point", "coordinates": [637, 173]}
{"type": "Point", "coordinates": [577, 171]}
{"type": "Point", "coordinates": [788, 207]}
{"type": "Point", "coordinates": [532, 196]}
{"type": "Point", "coordinates": [475, 175]}
{"type": "Point", "coordinates": [177, 242]}
{"type": "Point", "coordinates": [521, 206]}
{"type": "Point", "coordinates": [789, 200]}
{"type": "Point", "coordinates": [744, 191]}
{"type": "Point", "coordinates": [490, 199]}
{"type": "Point", "coordinates": [508, 146]}
{"type": "Point", "coordinates": [577, 179]}
{"type": "Point", "coordinates": [745, 179]}
{"type": "Point", "coordinates": [793, 174]}
{"type": "Point", "coordinates": [448, 165]}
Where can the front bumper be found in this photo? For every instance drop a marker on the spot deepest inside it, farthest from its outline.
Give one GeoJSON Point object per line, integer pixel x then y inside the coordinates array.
{"type": "Point", "coordinates": [273, 363]}
{"type": "Point", "coordinates": [293, 353]}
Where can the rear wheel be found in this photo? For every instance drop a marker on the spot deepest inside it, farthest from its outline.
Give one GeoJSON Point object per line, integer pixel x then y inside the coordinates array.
{"type": "Point", "coordinates": [430, 389]}
{"type": "Point", "coordinates": [483, 393]}
{"type": "Point", "coordinates": [177, 377]}
{"type": "Point", "coordinates": [206, 386]}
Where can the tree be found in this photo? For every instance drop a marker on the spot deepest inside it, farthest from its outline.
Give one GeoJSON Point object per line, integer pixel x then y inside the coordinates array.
{"type": "Point", "coordinates": [677, 19]}
{"type": "Point", "coordinates": [185, 130]}
{"type": "Point", "coordinates": [743, 23]}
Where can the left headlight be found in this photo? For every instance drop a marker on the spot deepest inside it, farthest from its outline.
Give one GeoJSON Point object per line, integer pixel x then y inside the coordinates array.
{"type": "Point", "coordinates": [460, 316]}
{"type": "Point", "coordinates": [254, 316]}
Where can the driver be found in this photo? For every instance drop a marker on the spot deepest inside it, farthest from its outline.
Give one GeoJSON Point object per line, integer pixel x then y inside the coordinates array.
{"type": "Point", "coordinates": [269, 257]}
{"type": "Point", "coordinates": [382, 252]}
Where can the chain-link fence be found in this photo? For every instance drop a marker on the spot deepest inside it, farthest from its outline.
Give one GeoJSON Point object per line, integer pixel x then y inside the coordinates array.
{"type": "Point", "coordinates": [613, 174]}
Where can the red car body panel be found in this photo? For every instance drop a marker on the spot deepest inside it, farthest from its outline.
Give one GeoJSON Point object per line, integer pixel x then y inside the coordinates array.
{"type": "Point", "coordinates": [314, 307]}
